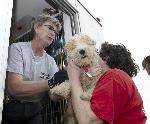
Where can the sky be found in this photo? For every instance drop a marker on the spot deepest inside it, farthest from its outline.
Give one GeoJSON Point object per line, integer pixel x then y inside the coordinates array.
{"type": "Point", "coordinates": [127, 22]}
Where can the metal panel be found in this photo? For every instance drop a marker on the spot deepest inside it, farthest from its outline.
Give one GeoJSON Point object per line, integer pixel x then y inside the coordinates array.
{"type": "Point", "coordinates": [89, 25]}
{"type": "Point", "coordinates": [70, 10]}
{"type": "Point", "coordinates": [5, 22]}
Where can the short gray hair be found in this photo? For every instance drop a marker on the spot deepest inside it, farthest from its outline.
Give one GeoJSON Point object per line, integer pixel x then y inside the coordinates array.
{"type": "Point", "coordinates": [47, 18]}
{"type": "Point", "coordinates": [42, 19]}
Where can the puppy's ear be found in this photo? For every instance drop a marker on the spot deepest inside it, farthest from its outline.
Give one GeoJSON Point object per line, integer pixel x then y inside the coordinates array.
{"type": "Point", "coordinates": [88, 40]}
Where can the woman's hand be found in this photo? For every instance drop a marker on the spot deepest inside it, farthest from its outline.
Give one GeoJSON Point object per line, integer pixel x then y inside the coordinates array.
{"type": "Point", "coordinates": [73, 71]}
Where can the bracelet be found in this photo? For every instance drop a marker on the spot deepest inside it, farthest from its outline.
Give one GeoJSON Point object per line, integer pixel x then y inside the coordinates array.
{"type": "Point", "coordinates": [51, 83]}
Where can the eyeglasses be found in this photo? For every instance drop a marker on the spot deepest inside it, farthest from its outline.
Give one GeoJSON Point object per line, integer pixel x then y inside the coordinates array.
{"type": "Point", "coordinates": [51, 28]}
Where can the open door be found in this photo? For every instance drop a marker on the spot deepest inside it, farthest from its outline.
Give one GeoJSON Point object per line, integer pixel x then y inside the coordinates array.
{"type": "Point", "coordinates": [5, 22]}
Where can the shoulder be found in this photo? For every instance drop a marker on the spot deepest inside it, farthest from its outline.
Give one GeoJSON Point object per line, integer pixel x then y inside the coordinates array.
{"type": "Point", "coordinates": [115, 73]}
{"type": "Point", "coordinates": [19, 45]}
{"type": "Point", "coordinates": [116, 77]}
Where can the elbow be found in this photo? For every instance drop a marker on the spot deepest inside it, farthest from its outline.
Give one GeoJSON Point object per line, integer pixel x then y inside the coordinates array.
{"type": "Point", "coordinates": [97, 121]}
{"type": "Point", "coordinates": [85, 120]}
{"type": "Point", "coordinates": [12, 91]}
{"type": "Point", "coordinates": [93, 119]}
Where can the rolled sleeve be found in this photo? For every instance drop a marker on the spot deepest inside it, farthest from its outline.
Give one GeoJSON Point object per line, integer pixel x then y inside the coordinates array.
{"type": "Point", "coordinates": [15, 59]}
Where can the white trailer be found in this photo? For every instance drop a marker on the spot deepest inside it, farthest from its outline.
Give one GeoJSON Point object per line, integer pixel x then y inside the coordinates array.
{"type": "Point", "coordinates": [74, 16]}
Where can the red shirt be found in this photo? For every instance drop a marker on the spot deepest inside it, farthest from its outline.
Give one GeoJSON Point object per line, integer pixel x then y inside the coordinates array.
{"type": "Point", "coordinates": [116, 99]}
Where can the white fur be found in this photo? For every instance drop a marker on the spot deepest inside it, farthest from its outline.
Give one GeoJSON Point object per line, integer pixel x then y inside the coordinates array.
{"type": "Point", "coordinates": [72, 48]}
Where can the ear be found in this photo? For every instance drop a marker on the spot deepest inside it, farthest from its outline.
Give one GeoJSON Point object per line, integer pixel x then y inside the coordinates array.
{"type": "Point", "coordinates": [36, 27]}
{"type": "Point", "coordinates": [88, 40]}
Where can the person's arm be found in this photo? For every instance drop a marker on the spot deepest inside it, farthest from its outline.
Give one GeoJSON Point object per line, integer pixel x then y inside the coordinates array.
{"type": "Point", "coordinates": [16, 86]}
{"type": "Point", "coordinates": [59, 77]}
{"type": "Point", "coordinates": [15, 83]}
{"type": "Point", "coordinates": [82, 109]}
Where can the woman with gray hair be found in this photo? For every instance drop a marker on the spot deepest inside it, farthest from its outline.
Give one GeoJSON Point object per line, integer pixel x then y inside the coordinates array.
{"type": "Point", "coordinates": [30, 73]}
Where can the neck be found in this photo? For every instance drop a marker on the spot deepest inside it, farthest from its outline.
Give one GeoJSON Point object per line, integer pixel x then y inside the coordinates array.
{"type": "Point", "coordinates": [37, 47]}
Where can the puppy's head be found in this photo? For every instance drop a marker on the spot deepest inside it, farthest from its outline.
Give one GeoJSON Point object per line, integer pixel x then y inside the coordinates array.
{"type": "Point", "coordinates": [81, 49]}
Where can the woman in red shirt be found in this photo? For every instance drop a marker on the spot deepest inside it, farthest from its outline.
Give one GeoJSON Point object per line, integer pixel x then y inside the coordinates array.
{"type": "Point", "coordinates": [115, 99]}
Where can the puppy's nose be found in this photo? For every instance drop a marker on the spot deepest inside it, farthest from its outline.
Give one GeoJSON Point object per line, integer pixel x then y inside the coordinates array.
{"type": "Point", "coordinates": [82, 52]}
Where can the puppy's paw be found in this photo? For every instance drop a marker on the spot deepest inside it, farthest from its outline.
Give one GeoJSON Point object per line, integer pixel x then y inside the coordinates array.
{"type": "Point", "coordinates": [62, 90]}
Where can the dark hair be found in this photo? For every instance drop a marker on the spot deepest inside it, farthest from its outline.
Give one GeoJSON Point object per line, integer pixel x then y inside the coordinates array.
{"type": "Point", "coordinates": [117, 56]}
{"type": "Point", "coordinates": [146, 61]}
